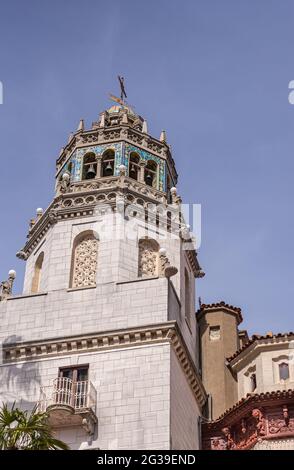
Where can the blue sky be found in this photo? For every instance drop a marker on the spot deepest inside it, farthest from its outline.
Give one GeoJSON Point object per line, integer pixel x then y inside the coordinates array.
{"type": "Point", "coordinates": [214, 74]}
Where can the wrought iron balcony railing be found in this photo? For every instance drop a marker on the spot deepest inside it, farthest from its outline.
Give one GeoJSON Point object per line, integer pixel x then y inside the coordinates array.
{"type": "Point", "coordinates": [69, 403]}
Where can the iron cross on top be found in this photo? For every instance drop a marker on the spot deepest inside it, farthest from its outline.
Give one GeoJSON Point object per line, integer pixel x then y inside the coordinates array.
{"type": "Point", "coordinates": [122, 87]}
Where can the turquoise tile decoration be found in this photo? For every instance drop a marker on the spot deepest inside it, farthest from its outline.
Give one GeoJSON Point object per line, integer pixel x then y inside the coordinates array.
{"type": "Point", "coordinates": [122, 152]}
{"type": "Point", "coordinates": [144, 155]}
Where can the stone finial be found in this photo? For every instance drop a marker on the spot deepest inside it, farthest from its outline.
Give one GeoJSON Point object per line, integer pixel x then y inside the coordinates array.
{"type": "Point", "coordinates": [66, 176]}
{"type": "Point", "coordinates": [162, 137]}
{"type": "Point", "coordinates": [61, 151]}
{"type": "Point", "coordinates": [6, 286]}
{"type": "Point", "coordinates": [102, 120]}
{"type": "Point", "coordinates": [162, 252]}
{"type": "Point", "coordinates": [64, 184]}
{"type": "Point", "coordinates": [122, 170]}
{"type": "Point", "coordinates": [12, 274]}
{"type": "Point", "coordinates": [185, 232]}
{"type": "Point", "coordinates": [81, 126]}
{"type": "Point", "coordinates": [39, 212]}
{"type": "Point", "coordinates": [165, 268]}
{"type": "Point", "coordinates": [174, 196]}
{"type": "Point", "coordinates": [145, 127]}
{"type": "Point", "coordinates": [70, 137]}
{"type": "Point", "coordinates": [124, 118]}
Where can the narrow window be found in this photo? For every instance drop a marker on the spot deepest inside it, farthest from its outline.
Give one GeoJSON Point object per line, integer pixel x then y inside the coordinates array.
{"type": "Point", "coordinates": [150, 175]}
{"type": "Point", "coordinates": [253, 383]}
{"type": "Point", "coordinates": [89, 166]}
{"type": "Point", "coordinates": [37, 274]}
{"type": "Point", "coordinates": [284, 371]}
{"type": "Point", "coordinates": [108, 163]}
{"type": "Point", "coordinates": [214, 333]}
{"type": "Point", "coordinates": [134, 168]}
{"type": "Point", "coordinates": [187, 298]}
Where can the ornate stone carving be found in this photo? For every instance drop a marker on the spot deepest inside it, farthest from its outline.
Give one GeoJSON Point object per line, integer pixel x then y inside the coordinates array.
{"type": "Point", "coordinates": [148, 258]}
{"type": "Point", "coordinates": [257, 425]}
{"type": "Point", "coordinates": [85, 262]}
{"type": "Point", "coordinates": [6, 286]}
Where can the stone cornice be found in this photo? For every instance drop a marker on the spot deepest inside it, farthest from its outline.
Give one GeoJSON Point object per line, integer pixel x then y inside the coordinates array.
{"type": "Point", "coordinates": [220, 306]}
{"type": "Point", "coordinates": [260, 339]}
{"type": "Point", "coordinates": [110, 340]}
{"type": "Point", "coordinates": [248, 353]}
{"type": "Point", "coordinates": [83, 199]}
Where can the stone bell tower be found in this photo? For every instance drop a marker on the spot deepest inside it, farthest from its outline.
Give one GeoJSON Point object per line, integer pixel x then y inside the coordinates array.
{"type": "Point", "coordinates": [104, 335]}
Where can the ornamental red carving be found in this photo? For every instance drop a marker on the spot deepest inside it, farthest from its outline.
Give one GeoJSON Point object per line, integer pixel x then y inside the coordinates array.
{"type": "Point", "coordinates": [242, 431]}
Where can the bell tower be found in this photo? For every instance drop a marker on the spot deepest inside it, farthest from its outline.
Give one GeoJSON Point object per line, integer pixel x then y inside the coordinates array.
{"type": "Point", "coordinates": [109, 294]}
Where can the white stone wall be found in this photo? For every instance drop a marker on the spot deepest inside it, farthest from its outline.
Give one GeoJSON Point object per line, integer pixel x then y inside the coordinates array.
{"type": "Point", "coordinates": [265, 363]}
{"type": "Point", "coordinates": [184, 410]}
{"type": "Point", "coordinates": [106, 307]}
{"type": "Point", "coordinates": [139, 389]}
{"type": "Point", "coordinates": [114, 303]}
{"type": "Point", "coordinates": [133, 395]}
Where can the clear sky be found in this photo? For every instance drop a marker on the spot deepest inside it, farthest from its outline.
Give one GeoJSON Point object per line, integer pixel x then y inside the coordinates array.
{"type": "Point", "coordinates": [214, 74]}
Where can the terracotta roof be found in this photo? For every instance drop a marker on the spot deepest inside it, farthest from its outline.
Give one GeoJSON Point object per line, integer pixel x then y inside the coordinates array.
{"type": "Point", "coordinates": [253, 398]}
{"type": "Point", "coordinates": [256, 338]}
{"type": "Point", "coordinates": [221, 305]}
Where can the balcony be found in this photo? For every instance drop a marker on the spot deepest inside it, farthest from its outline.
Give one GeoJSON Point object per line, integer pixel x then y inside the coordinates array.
{"type": "Point", "coordinates": [69, 403]}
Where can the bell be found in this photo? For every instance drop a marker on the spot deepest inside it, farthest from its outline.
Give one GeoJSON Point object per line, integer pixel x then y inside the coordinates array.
{"type": "Point", "coordinates": [149, 179]}
{"type": "Point", "coordinates": [108, 169]}
{"type": "Point", "coordinates": [133, 170]}
{"type": "Point", "coordinates": [91, 173]}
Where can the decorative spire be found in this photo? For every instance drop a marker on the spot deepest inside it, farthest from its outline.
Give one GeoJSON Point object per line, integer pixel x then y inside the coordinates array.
{"type": "Point", "coordinates": [70, 137]}
{"type": "Point", "coordinates": [102, 121]}
{"type": "Point", "coordinates": [6, 286]}
{"type": "Point", "coordinates": [81, 126]}
{"type": "Point", "coordinates": [162, 136]}
{"type": "Point", "coordinates": [145, 127]}
{"type": "Point", "coordinates": [125, 118]}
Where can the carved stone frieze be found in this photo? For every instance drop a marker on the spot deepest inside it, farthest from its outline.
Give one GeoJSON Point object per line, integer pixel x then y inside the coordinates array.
{"type": "Point", "coordinates": [148, 259]}
{"type": "Point", "coordinates": [243, 429]}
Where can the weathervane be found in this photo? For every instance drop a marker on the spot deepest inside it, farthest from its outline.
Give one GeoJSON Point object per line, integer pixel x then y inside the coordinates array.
{"type": "Point", "coordinates": [123, 94]}
{"type": "Point", "coordinates": [122, 87]}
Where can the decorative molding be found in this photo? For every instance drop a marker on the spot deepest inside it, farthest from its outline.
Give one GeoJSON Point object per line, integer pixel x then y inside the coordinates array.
{"type": "Point", "coordinates": [257, 343]}
{"type": "Point", "coordinates": [257, 418]}
{"type": "Point", "coordinates": [131, 337]}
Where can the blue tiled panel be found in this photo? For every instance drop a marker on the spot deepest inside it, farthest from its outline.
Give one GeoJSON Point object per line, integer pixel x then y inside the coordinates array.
{"type": "Point", "coordinates": [122, 153]}
{"type": "Point", "coordinates": [161, 183]}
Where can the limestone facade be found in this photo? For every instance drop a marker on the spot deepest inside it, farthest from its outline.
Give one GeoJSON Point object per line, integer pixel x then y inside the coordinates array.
{"type": "Point", "coordinates": [103, 337]}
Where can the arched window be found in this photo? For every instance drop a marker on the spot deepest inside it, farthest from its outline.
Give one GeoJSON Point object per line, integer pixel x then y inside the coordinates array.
{"type": "Point", "coordinates": [134, 167]}
{"type": "Point", "coordinates": [148, 257]}
{"type": "Point", "coordinates": [253, 382]}
{"type": "Point", "coordinates": [150, 174]}
{"type": "Point", "coordinates": [84, 260]}
{"type": "Point", "coordinates": [187, 297]}
{"type": "Point", "coordinates": [284, 371]}
{"type": "Point", "coordinates": [37, 274]}
{"type": "Point", "coordinates": [108, 163]}
{"type": "Point", "coordinates": [89, 166]}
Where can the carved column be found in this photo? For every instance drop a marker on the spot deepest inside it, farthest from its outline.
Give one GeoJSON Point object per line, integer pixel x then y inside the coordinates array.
{"type": "Point", "coordinates": [142, 170]}
{"type": "Point", "coordinates": [99, 162]}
